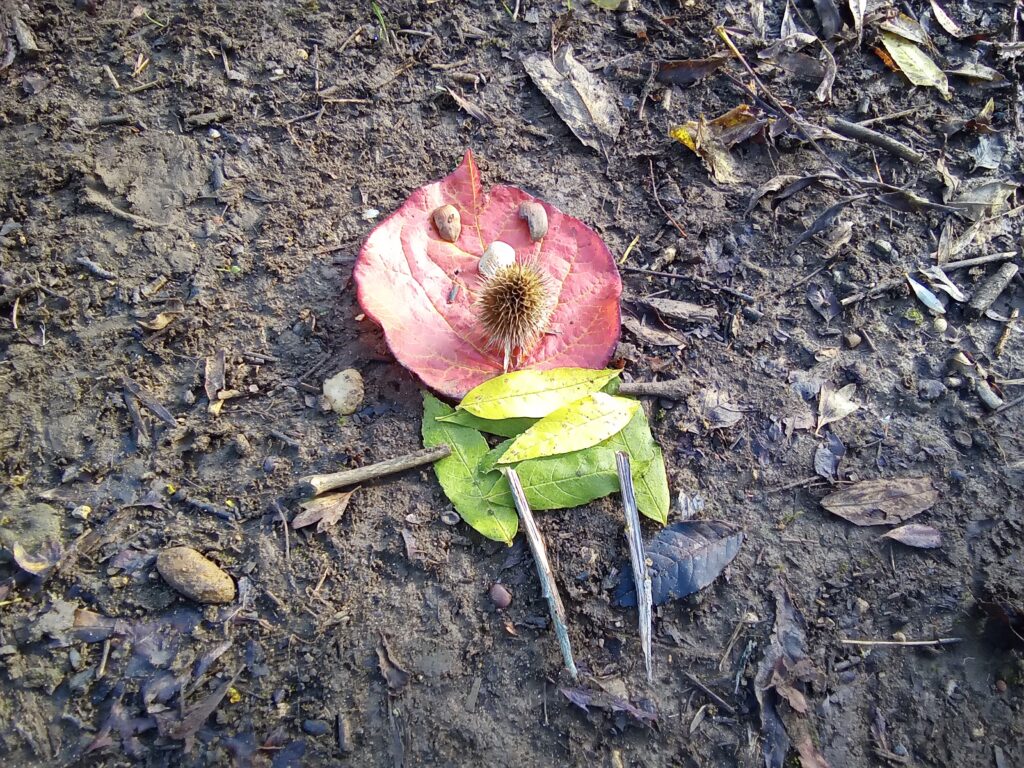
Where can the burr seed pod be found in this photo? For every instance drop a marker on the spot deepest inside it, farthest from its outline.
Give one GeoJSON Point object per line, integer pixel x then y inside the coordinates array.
{"type": "Point", "coordinates": [448, 222]}
{"type": "Point", "coordinates": [515, 306]}
{"type": "Point", "coordinates": [536, 219]}
{"type": "Point", "coordinates": [497, 256]}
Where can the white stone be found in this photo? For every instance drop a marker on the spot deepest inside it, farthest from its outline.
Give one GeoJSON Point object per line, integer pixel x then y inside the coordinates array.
{"type": "Point", "coordinates": [344, 391]}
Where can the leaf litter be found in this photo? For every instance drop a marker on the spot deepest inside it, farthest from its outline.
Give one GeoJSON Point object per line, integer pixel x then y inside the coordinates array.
{"type": "Point", "coordinates": [882, 502]}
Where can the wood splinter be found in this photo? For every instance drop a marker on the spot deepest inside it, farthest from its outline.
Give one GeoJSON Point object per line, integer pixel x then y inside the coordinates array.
{"type": "Point", "coordinates": [314, 485]}
{"type": "Point", "coordinates": [547, 578]}
{"type": "Point", "coordinates": [637, 556]}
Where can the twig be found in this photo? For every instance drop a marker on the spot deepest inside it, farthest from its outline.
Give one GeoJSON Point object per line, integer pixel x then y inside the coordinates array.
{"type": "Point", "coordinates": [95, 198]}
{"type": "Point", "coordinates": [148, 400]}
{"type": "Point", "coordinates": [936, 641]}
{"type": "Point", "coordinates": [698, 280]}
{"type": "Point", "coordinates": [146, 86]}
{"type": "Point", "coordinates": [96, 269]}
{"type": "Point", "coordinates": [672, 389]}
{"type": "Point", "coordinates": [547, 578]}
{"type": "Point", "coordinates": [722, 703]}
{"type": "Point", "coordinates": [314, 485]}
{"type": "Point", "coordinates": [637, 557]}
{"type": "Point", "coordinates": [990, 290]}
{"type": "Point", "coordinates": [978, 261]}
{"type": "Point", "coordinates": [887, 118]}
{"type": "Point", "coordinates": [654, 189]}
{"type": "Point", "coordinates": [882, 287]}
{"type": "Point", "coordinates": [1007, 406]}
{"type": "Point", "coordinates": [860, 133]}
{"type": "Point", "coordinates": [1004, 337]}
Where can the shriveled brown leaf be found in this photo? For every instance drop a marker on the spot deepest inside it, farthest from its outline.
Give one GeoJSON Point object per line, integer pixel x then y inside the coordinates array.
{"type": "Point", "coordinates": [689, 71]}
{"type": "Point", "coordinates": [882, 502]}
{"type": "Point", "coordinates": [393, 673]}
{"type": "Point", "coordinates": [835, 404]}
{"type": "Point", "coordinates": [916, 535]}
{"type": "Point", "coordinates": [717, 410]}
{"type": "Point", "coordinates": [325, 511]}
{"type": "Point", "coordinates": [652, 336]}
{"type": "Point", "coordinates": [159, 321]}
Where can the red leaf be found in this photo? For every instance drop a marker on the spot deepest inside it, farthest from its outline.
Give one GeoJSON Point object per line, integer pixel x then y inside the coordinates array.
{"type": "Point", "coordinates": [405, 277]}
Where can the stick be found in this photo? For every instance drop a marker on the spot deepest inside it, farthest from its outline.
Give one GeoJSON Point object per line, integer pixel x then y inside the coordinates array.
{"type": "Point", "coordinates": [978, 261]}
{"type": "Point", "coordinates": [314, 485]}
{"type": "Point", "coordinates": [860, 133]}
{"type": "Point", "coordinates": [699, 281]}
{"type": "Point", "coordinates": [637, 556]}
{"type": "Point", "coordinates": [937, 641]}
{"type": "Point", "coordinates": [654, 189]}
{"type": "Point", "coordinates": [882, 287]}
{"type": "Point", "coordinates": [547, 578]}
{"type": "Point", "coordinates": [672, 389]}
{"type": "Point", "coordinates": [722, 703]}
{"type": "Point", "coordinates": [989, 290]}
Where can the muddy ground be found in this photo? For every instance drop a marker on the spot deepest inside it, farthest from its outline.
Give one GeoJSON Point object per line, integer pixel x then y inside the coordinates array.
{"type": "Point", "coordinates": [178, 163]}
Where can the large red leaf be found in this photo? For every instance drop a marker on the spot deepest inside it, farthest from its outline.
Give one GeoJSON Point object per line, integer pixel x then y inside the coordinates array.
{"type": "Point", "coordinates": [405, 277]}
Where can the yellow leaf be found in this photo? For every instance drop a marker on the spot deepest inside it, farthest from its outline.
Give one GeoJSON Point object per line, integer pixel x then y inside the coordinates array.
{"type": "Point", "coordinates": [533, 394]}
{"type": "Point", "coordinates": [574, 427]}
{"type": "Point", "coordinates": [915, 64]}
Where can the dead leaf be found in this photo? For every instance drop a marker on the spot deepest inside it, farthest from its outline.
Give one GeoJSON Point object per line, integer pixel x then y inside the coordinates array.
{"type": "Point", "coordinates": [831, 20]}
{"type": "Point", "coordinates": [926, 297]}
{"type": "Point", "coordinates": [824, 301]}
{"type": "Point", "coordinates": [915, 63]}
{"type": "Point", "coordinates": [882, 502]}
{"type": "Point", "coordinates": [985, 200]}
{"type": "Point", "coordinates": [583, 101]}
{"type": "Point", "coordinates": [468, 106]}
{"type": "Point", "coordinates": [36, 563]}
{"type": "Point", "coordinates": [393, 673]}
{"type": "Point", "coordinates": [824, 91]}
{"type": "Point", "coordinates": [915, 535]}
{"type": "Point", "coordinates": [718, 412]}
{"type": "Point", "coordinates": [945, 21]}
{"type": "Point", "coordinates": [711, 139]}
{"type": "Point", "coordinates": [828, 456]}
{"type": "Point", "coordinates": [690, 71]}
{"type": "Point", "coordinates": [325, 511]}
{"type": "Point", "coordinates": [835, 404]}
{"type": "Point", "coordinates": [652, 336]}
{"type": "Point", "coordinates": [160, 321]}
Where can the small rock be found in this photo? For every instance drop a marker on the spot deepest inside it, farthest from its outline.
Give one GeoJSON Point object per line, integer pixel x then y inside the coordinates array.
{"type": "Point", "coordinates": [500, 596]}
{"type": "Point", "coordinates": [940, 324]}
{"type": "Point", "coordinates": [345, 391]}
{"type": "Point", "coordinates": [852, 340]}
{"type": "Point", "coordinates": [884, 248]}
{"type": "Point", "coordinates": [930, 389]}
{"type": "Point", "coordinates": [899, 637]}
{"type": "Point", "coordinates": [315, 727]}
{"type": "Point", "coordinates": [81, 512]}
{"type": "Point", "coordinates": [242, 445]}
{"type": "Point", "coordinates": [194, 576]}
{"type": "Point", "coordinates": [963, 438]}
{"type": "Point", "coordinates": [862, 606]}
{"type": "Point", "coordinates": [1001, 686]}
{"type": "Point", "coordinates": [450, 517]}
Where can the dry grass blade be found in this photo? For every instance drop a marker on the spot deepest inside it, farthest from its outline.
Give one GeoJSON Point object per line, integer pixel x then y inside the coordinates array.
{"type": "Point", "coordinates": [641, 576]}
{"type": "Point", "coordinates": [547, 578]}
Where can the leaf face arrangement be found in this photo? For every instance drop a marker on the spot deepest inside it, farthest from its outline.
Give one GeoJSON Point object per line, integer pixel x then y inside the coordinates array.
{"type": "Point", "coordinates": [419, 276]}
{"type": "Point", "coordinates": [564, 428]}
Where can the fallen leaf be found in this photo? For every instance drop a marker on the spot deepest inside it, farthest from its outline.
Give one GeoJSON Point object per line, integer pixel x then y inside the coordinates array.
{"type": "Point", "coordinates": [915, 535]}
{"type": "Point", "coordinates": [711, 139]}
{"type": "Point", "coordinates": [463, 483]}
{"type": "Point", "coordinates": [909, 29]}
{"type": "Point", "coordinates": [835, 404]}
{"type": "Point", "coordinates": [396, 676]}
{"type": "Point", "coordinates": [682, 559]}
{"type": "Point", "coordinates": [406, 272]}
{"type": "Point", "coordinates": [718, 412]}
{"type": "Point", "coordinates": [824, 91]}
{"type": "Point", "coordinates": [882, 502]}
{"type": "Point", "coordinates": [584, 698]}
{"type": "Point", "coordinates": [574, 427]}
{"type": "Point", "coordinates": [926, 297]}
{"type": "Point", "coordinates": [857, 10]}
{"type": "Point", "coordinates": [945, 21]}
{"type": "Point", "coordinates": [690, 71]}
{"type": "Point", "coordinates": [979, 72]}
{"type": "Point", "coordinates": [831, 20]}
{"type": "Point", "coordinates": [653, 336]}
{"type": "Point", "coordinates": [942, 281]}
{"type": "Point", "coordinates": [828, 456]}
{"type": "Point", "coordinates": [823, 300]}
{"type": "Point", "coordinates": [500, 427]}
{"type": "Point", "coordinates": [915, 64]}
{"type": "Point", "coordinates": [159, 321]}
{"type": "Point", "coordinates": [773, 184]}
{"type": "Point", "coordinates": [581, 99]}
{"type": "Point", "coordinates": [985, 200]}
{"type": "Point", "coordinates": [36, 563]}
{"type": "Point", "coordinates": [325, 511]}
{"type": "Point", "coordinates": [533, 394]}
{"type": "Point", "coordinates": [683, 311]}
{"type": "Point", "coordinates": [470, 107]}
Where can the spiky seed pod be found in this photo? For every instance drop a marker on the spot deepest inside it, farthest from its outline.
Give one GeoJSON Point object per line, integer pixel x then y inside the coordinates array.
{"type": "Point", "coordinates": [515, 306]}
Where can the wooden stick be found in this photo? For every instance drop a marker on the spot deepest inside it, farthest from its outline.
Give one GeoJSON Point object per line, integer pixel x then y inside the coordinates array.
{"type": "Point", "coordinates": [547, 579]}
{"type": "Point", "coordinates": [637, 556]}
{"type": "Point", "coordinates": [978, 261]}
{"type": "Point", "coordinates": [672, 389]}
{"type": "Point", "coordinates": [987, 293]}
{"type": "Point", "coordinates": [314, 485]}
{"type": "Point", "coordinates": [868, 136]}
{"type": "Point", "coordinates": [936, 641]}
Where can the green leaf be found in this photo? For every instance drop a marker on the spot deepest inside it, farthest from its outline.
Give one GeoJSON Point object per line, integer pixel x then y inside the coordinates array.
{"type": "Point", "coordinates": [915, 64]}
{"type": "Point", "coordinates": [533, 394]}
{"type": "Point", "coordinates": [460, 477]}
{"type": "Point", "coordinates": [502, 427]}
{"type": "Point", "coordinates": [493, 456]}
{"type": "Point", "coordinates": [651, 489]}
{"type": "Point", "coordinates": [572, 479]}
{"type": "Point", "coordinates": [573, 427]}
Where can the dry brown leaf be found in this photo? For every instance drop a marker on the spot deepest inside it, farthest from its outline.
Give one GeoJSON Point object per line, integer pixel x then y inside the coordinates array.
{"type": "Point", "coordinates": [915, 535]}
{"type": "Point", "coordinates": [835, 404]}
{"type": "Point", "coordinates": [325, 511]}
{"type": "Point", "coordinates": [882, 502]}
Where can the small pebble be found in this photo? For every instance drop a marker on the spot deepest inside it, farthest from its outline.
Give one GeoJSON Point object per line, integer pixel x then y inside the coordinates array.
{"type": "Point", "coordinates": [940, 324]}
{"type": "Point", "coordinates": [536, 219]}
{"type": "Point", "coordinates": [194, 576]}
{"type": "Point", "coordinates": [930, 389]}
{"type": "Point", "coordinates": [448, 222]}
{"type": "Point", "coordinates": [213, 133]}
{"type": "Point", "coordinates": [344, 391]}
{"type": "Point", "coordinates": [269, 464]}
{"type": "Point", "coordinates": [315, 727]}
{"type": "Point", "coordinates": [1001, 686]}
{"type": "Point", "coordinates": [500, 596]}
{"type": "Point", "coordinates": [450, 517]}
{"type": "Point", "coordinates": [81, 512]}
{"type": "Point", "coordinates": [862, 606]}
{"type": "Point", "coordinates": [852, 340]}
{"type": "Point", "coordinates": [242, 445]}
{"type": "Point", "coordinates": [899, 637]}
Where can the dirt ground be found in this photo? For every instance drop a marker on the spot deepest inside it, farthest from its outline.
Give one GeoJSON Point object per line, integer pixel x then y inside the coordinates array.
{"type": "Point", "coordinates": [183, 178]}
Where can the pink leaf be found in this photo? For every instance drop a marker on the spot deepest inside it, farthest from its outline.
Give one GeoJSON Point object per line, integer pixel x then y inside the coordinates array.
{"type": "Point", "coordinates": [421, 289]}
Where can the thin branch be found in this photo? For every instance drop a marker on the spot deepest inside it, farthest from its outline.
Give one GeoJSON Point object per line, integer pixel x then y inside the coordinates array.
{"type": "Point", "coordinates": [314, 485]}
{"type": "Point", "coordinates": [637, 556]}
{"type": "Point", "coordinates": [936, 641]}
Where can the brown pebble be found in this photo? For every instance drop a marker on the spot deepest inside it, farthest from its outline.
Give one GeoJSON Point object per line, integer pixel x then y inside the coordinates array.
{"type": "Point", "coordinates": [448, 222]}
{"type": "Point", "coordinates": [194, 576]}
{"type": "Point", "coordinates": [536, 219]}
{"type": "Point", "coordinates": [500, 596]}
{"type": "Point", "coordinates": [1001, 686]}
{"type": "Point", "coordinates": [853, 340]}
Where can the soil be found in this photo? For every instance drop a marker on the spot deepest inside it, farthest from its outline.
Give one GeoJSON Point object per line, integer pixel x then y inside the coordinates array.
{"type": "Point", "coordinates": [230, 198]}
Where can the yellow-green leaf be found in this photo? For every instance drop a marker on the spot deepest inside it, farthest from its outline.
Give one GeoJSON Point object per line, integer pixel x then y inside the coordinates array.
{"type": "Point", "coordinates": [502, 427]}
{"type": "Point", "coordinates": [574, 427]}
{"type": "Point", "coordinates": [651, 489]}
{"type": "Point", "coordinates": [533, 394]}
{"type": "Point", "coordinates": [915, 64]}
{"type": "Point", "coordinates": [460, 476]}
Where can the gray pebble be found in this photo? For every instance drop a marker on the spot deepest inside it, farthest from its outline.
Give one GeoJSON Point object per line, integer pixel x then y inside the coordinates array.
{"type": "Point", "coordinates": [500, 596]}
{"type": "Point", "coordinates": [315, 727]}
{"type": "Point", "coordinates": [930, 389]}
